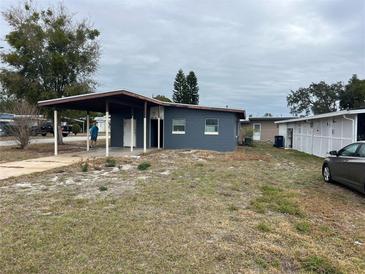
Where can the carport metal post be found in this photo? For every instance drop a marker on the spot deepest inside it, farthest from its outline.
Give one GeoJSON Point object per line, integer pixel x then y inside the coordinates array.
{"type": "Point", "coordinates": [55, 133]}
{"type": "Point", "coordinates": [145, 128]}
{"type": "Point", "coordinates": [132, 132]}
{"type": "Point", "coordinates": [107, 129]}
{"type": "Point", "coordinates": [87, 131]}
{"type": "Point", "coordinates": [158, 128]}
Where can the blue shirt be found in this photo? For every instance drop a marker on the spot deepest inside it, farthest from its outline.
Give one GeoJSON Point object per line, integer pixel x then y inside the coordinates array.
{"type": "Point", "coordinates": [94, 131]}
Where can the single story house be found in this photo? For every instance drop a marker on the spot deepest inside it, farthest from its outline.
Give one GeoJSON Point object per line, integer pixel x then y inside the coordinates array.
{"type": "Point", "coordinates": [319, 134]}
{"type": "Point", "coordinates": [264, 128]}
{"type": "Point", "coordinates": [143, 122]}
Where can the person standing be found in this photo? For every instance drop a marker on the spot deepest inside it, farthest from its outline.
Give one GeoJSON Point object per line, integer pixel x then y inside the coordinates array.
{"type": "Point", "coordinates": [94, 130]}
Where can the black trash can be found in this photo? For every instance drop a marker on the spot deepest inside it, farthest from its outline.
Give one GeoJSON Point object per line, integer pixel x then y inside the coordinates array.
{"type": "Point", "coordinates": [279, 141]}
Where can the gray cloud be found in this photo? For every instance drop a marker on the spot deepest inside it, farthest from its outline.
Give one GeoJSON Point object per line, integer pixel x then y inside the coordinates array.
{"type": "Point", "coordinates": [247, 54]}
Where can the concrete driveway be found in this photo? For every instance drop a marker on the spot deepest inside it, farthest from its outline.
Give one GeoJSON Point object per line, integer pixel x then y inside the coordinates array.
{"type": "Point", "coordinates": [25, 167]}
{"type": "Point", "coordinates": [48, 140]}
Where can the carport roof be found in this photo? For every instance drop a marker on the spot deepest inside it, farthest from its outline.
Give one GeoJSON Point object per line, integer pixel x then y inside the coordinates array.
{"type": "Point", "coordinates": [96, 102]}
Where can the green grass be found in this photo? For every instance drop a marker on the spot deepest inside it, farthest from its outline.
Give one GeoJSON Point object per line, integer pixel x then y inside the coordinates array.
{"type": "Point", "coordinates": [276, 199]}
{"type": "Point", "coordinates": [264, 227]}
{"type": "Point", "coordinates": [144, 166]}
{"type": "Point", "coordinates": [317, 264]}
{"type": "Point", "coordinates": [302, 226]}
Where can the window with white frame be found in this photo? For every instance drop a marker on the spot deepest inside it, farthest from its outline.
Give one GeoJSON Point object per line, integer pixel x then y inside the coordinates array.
{"type": "Point", "coordinates": [178, 126]}
{"type": "Point", "coordinates": [211, 126]}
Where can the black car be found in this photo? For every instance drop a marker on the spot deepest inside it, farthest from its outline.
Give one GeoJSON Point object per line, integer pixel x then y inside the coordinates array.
{"type": "Point", "coordinates": [346, 166]}
{"type": "Point", "coordinates": [48, 128]}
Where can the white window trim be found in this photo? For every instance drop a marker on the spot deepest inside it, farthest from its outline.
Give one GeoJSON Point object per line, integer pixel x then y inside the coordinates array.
{"type": "Point", "coordinates": [211, 133]}
{"type": "Point", "coordinates": [208, 132]}
{"type": "Point", "coordinates": [178, 132]}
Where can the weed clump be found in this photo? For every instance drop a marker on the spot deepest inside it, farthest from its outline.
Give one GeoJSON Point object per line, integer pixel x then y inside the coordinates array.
{"type": "Point", "coordinates": [84, 166]}
{"type": "Point", "coordinates": [302, 227]}
{"type": "Point", "coordinates": [103, 188]}
{"type": "Point", "coordinates": [264, 227]}
{"type": "Point", "coordinates": [317, 264]}
{"type": "Point", "coordinates": [232, 208]}
{"type": "Point", "coordinates": [110, 162]}
{"type": "Point", "coordinates": [144, 166]}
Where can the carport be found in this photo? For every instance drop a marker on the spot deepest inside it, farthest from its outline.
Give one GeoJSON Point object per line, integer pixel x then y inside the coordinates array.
{"type": "Point", "coordinates": [121, 104]}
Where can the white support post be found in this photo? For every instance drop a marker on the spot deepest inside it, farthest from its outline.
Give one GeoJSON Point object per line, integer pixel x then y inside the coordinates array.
{"type": "Point", "coordinates": [55, 129]}
{"type": "Point", "coordinates": [145, 128]}
{"type": "Point", "coordinates": [107, 129]}
{"type": "Point", "coordinates": [87, 132]}
{"type": "Point", "coordinates": [132, 131]}
{"type": "Point", "coordinates": [158, 128]}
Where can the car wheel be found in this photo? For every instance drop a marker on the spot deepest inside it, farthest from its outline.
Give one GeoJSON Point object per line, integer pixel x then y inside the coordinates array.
{"type": "Point", "coordinates": [326, 172]}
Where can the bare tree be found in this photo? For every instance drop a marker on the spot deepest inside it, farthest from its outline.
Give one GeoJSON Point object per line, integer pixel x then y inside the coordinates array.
{"type": "Point", "coordinates": [26, 115]}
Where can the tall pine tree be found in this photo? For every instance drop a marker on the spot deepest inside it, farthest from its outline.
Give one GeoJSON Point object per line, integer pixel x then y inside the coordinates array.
{"type": "Point", "coordinates": [180, 88]}
{"type": "Point", "coordinates": [193, 88]}
{"type": "Point", "coordinates": [186, 89]}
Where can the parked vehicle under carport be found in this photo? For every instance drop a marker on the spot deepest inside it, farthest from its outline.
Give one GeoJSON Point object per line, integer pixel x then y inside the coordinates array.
{"type": "Point", "coordinates": [346, 166]}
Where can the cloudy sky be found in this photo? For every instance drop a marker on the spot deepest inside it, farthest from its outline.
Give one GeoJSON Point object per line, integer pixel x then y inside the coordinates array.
{"type": "Point", "coordinates": [247, 54]}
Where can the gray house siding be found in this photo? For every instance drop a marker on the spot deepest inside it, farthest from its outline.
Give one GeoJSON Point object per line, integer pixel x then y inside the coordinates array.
{"type": "Point", "coordinates": [194, 137]}
{"type": "Point", "coordinates": [117, 130]}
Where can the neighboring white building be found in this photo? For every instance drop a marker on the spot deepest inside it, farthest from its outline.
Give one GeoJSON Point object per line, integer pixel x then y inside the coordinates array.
{"type": "Point", "coordinates": [319, 134]}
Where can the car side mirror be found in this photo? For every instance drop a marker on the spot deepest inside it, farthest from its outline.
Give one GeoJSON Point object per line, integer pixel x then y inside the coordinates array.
{"type": "Point", "coordinates": [334, 153]}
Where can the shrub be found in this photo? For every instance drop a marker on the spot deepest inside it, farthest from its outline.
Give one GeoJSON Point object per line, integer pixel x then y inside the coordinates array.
{"type": "Point", "coordinates": [84, 166]}
{"type": "Point", "coordinates": [21, 127]}
{"type": "Point", "coordinates": [110, 162]}
{"type": "Point", "coordinates": [144, 166]}
{"type": "Point", "coordinates": [103, 188]}
{"type": "Point", "coordinates": [249, 133]}
{"type": "Point", "coordinates": [76, 129]}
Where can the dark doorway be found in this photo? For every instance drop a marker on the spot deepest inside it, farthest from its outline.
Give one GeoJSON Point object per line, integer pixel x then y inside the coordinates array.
{"type": "Point", "coordinates": [361, 127]}
{"type": "Point", "coordinates": [154, 133]}
{"type": "Point", "coordinates": [290, 138]}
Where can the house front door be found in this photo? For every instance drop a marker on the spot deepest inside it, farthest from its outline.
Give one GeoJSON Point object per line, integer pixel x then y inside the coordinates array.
{"type": "Point", "coordinates": [256, 132]}
{"type": "Point", "coordinates": [127, 132]}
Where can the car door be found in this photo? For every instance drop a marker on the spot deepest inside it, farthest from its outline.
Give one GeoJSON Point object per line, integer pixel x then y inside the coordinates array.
{"type": "Point", "coordinates": [340, 163]}
{"type": "Point", "coordinates": [357, 168]}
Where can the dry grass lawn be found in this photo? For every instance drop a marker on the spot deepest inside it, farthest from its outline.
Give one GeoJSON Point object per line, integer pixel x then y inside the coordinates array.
{"type": "Point", "coordinates": [256, 210]}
